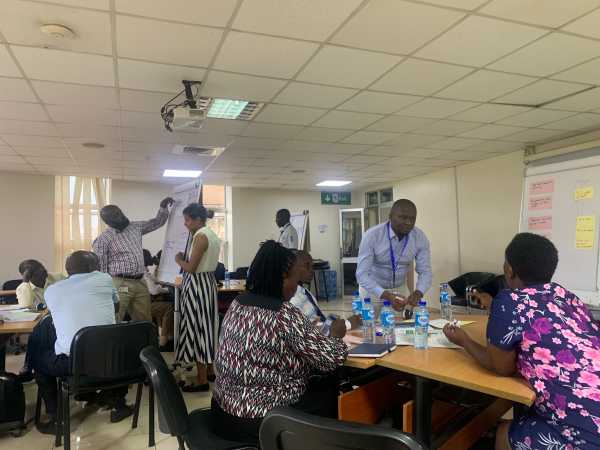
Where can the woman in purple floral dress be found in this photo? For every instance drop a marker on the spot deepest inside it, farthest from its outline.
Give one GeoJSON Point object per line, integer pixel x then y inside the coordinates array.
{"type": "Point", "coordinates": [545, 333]}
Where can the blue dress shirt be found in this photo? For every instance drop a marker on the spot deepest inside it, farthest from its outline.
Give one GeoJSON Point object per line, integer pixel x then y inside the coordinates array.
{"type": "Point", "coordinates": [374, 271]}
{"type": "Point", "coordinates": [82, 300]}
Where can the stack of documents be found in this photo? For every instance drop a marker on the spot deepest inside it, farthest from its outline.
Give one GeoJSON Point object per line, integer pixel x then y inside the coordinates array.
{"type": "Point", "coordinates": [20, 315]}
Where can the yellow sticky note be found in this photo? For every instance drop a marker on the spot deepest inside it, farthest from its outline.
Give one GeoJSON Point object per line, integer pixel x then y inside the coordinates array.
{"type": "Point", "coordinates": [585, 232]}
{"type": "Point", "coordinates": [584, 193]}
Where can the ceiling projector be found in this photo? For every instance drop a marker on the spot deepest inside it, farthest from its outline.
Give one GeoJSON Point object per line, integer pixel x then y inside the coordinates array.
{"type": "Point", "coordinates": [185, 114]}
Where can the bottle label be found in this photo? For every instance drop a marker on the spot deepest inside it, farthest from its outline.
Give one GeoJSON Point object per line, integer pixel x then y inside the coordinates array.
{"type": "Point", "coordinates": [388, 319]}
{"type": "Point", "coordinates": [422, 320]}
{"type": "Point", "coordinates": [367, 314]}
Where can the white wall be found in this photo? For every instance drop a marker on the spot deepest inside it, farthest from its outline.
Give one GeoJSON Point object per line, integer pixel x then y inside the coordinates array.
{"type": "Point", "coordinates": [253, 213]}
{"type": "Point", "coordinates": [27, 221]}
{"type": "Point", "coordinates": [139, 201]}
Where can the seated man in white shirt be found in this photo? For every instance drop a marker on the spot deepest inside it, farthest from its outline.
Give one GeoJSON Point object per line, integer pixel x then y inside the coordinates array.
{"type": "Point", "coordinates": [86, 298]}
{"type": "Point", "coordinates": [30, 293]}
{"type": "Point", "coordinates": [305, 301]}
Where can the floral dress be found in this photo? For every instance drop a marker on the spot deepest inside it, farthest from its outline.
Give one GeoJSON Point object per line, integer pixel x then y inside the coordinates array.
{"type": "Point", "coordinates": [558, 353]}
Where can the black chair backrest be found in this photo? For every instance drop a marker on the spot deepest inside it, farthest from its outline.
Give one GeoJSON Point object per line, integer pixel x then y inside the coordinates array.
{"type": "Point", "coordinates": [241, 273]}
{"type": "Point", "coordinates": [111, 351]}
{"type": "Point", "coordinates": [459, 284]}
{"type": "Point", "coordinates": [10, 285]}
{"type": "Point", "coordinates": [173, 414]}
{"type": "Point", "coordinates": [289, 429]}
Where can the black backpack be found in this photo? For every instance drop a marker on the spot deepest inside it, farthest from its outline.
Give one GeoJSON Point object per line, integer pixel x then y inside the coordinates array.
{"type": "Point", "coordinates": [12, 402]}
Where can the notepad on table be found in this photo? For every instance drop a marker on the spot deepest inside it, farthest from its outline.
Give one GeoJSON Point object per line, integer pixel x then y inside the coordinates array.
{"type": "Point", "coordinates": [369, 350]}
{"type": "Point", "coordinates": [441, 323]}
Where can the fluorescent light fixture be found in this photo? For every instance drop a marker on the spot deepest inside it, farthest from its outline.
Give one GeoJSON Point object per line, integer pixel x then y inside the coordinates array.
{"type": "Point", "coordinates": [333, 183]}
{"type": "Point", "coordinates": [181, 173]}
{"type": "Point", "coordinates": [223, 108]}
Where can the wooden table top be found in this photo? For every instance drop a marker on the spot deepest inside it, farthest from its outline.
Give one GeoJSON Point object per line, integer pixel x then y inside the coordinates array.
{"type": "Point", "coordinates": [19, 327]}
{"type": "Point", "coordinates": [453, 366]}
{"type": "Point", "coordinates": [234, 286]}
{"type": "Point", "coordinates": [7, 293]}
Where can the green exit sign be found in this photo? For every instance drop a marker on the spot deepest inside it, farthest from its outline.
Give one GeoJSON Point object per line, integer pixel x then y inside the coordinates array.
{"type": "Point", "coordinates": [336, 198]}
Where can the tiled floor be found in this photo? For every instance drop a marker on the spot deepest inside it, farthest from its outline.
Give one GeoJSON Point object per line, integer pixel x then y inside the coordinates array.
{"type": "Point", "coordinates": [91, 429]}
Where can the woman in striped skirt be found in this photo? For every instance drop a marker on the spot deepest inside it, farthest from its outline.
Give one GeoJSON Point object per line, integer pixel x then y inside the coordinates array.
{"type": "Point", "coordinates": [199, 320]}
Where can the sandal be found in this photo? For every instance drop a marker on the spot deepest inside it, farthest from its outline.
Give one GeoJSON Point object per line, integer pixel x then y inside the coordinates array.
{"type": "Point", "coordinates": [196, 387]}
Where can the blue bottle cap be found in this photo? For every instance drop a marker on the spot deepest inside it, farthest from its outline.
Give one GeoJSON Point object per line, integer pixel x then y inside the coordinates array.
{"type": "Point", "coordinates": [422, 302]}
{"type": "Point", "coordinates": [367, 299]}
{"type": "Point", "coordinates": [386, 303]}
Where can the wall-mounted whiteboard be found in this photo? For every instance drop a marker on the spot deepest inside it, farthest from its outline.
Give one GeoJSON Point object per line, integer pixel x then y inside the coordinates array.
{"type": "Point", "coordinates": [177, 235]}
{"type": "Point", "coordinates": [561, 200]}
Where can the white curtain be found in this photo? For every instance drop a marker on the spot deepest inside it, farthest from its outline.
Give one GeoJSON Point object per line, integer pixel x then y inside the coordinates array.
{"type": "Point", "coordinates": [77, 223]}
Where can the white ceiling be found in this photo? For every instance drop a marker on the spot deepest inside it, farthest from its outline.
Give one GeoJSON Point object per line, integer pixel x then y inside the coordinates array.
{"type": "Point", "coordinates": [371, 91]}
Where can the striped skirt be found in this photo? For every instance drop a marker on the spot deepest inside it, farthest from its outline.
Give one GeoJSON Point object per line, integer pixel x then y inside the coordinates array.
{"type": "Point", "coordinates": [198, 320]}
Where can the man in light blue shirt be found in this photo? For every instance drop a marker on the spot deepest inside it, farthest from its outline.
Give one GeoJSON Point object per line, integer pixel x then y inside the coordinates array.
{"type": "Point", "coordinates": [385, 256]}
{"type": "Point", "coordinates": [86, 298]}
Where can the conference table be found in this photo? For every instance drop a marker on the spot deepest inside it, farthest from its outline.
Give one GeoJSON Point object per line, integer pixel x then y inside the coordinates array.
{"type": "Point", "coordinates": [9, 328]}
{"type": "Point", "coordinates": [451, 366]}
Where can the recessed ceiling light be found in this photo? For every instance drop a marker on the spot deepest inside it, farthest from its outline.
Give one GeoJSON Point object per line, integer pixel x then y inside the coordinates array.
{"type": "Point", "coordinates": [57, 31]}
{"type": "Point", "coordinates": [93, 145]}
{"type": "Point", "coordinates": [222, 108]}
{"type": "Point", "coordinates": [181, 173]}
{"type": "Point", "coordinates": [333, 183]}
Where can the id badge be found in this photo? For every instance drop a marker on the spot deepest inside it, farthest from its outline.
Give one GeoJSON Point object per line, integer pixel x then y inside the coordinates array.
{"type": "Point", "coordinates": [123, 290]}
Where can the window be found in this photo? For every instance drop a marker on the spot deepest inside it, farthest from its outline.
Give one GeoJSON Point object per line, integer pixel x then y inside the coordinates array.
{"type": "Point", "coordinates": [214, 197]}
{"type": "Point", "coordinates": [77, 223]}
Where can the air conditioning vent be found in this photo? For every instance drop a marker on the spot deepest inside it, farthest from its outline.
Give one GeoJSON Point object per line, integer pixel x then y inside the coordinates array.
{"type": "Point", "coordinates": [192, 150]}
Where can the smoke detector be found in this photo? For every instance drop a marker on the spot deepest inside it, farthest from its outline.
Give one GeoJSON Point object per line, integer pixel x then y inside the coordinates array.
{"type": "Point", "coordinates": [57, 31]}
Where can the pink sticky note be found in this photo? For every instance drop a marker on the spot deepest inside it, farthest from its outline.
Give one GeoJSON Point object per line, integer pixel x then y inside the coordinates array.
{"type": "Point", "coordinates": [540, 223]}
{"type": "Point", "coordinates": [540, 203]}
{"type": "Point", "coordinates": [541, 187]}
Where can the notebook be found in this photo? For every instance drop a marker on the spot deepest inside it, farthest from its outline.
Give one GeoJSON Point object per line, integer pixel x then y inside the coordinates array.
{"type": "Point", "coordinates": [369, 350]}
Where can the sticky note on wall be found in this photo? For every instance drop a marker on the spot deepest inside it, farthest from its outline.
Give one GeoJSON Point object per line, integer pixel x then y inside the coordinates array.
{"type": "Point", "coordinates": [585, 232]}
{"type": "Point", "coordinates": [539, 223]}
{"type": "Point", "coordinates": [584, 193]}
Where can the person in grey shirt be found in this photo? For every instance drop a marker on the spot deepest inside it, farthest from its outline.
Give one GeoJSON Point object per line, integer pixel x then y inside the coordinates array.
{"type": "Point", "coordinates": [288, 236]}
{"type": "Point", "coordinates": [385, 256]}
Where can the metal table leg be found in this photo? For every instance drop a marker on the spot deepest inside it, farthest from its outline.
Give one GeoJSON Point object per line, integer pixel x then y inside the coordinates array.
{"type": "Point", "coordinates": [422, 410]}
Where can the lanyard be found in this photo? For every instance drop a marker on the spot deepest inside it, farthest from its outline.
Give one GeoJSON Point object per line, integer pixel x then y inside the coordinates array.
{"type": "Point", "coordinates": [392, 255]}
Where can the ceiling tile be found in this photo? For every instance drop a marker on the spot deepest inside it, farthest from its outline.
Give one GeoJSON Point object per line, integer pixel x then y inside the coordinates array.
{"type": "Point", "coordinates": [91, 116]}
{"type": "Point", "coordinates": [379, 102]}
{"type": "Point", "coordinates": [347, 67]}
{"type": "Point", "coordinates": [20, 24]}
{"type": "Point", "coordinates": [549, 55]}
{"type": "Point", "coordinates": [469, 155]}
{"type": "Point", "coordinates": [8, 67]}
{"type": "Point", "coordinates": [499, 146]}
{"type": "Point", "coordinates": [175, 44]}
{"type": "Point", "coordinates": [385, 151]}
{"type": "Point", "coordinates": [534, 135]}
{"type": "Point", "coordinates": [414, 76]}
{"type": "Point", "coordinates": [305, 94]}
{"type": "Point", "coordinates": [585, 101]}
{"type": "Point", "coordinates": [77, 143]}
{"type": "Point", "coordinates": [549, 13]}
{"type": "Point", "coordinates": [491, 132]}
{"type": "Point", "coordinates": [16, 90]}
{"type": "Point", "coordinates": [263, 55]}
{"type": "Point", "coordinates": [414, 140]}
{"type": "Point", "coordinates": [203, 12]}
{"type": "Point", "coordinates": [141, 119]}
{"type": "Point", "coordinates": [266, 130]}
{"type": "Point", "coordinates": [536, 117]}
{"type": "Point", "coordinates": [454, 143]}
{"type": "Point", "coordinates": [255, 143]}
{"type": "Point", "coordinates": [22, 111]}
{"type": "Point", "coordinates": [11, 159]}
{"type": "Point", "coordinates": [43, 151]}
{"type": "Point", "coordinates": [586, 25]}
{"type": "Point", "coordinates": [142, 100]}
{"type": "Point", "coordinates": [75, 94]}
{"type": "Point", "coordinates": [426, 153]}
{"type": "Point", "coordinates": [436, 108]}
{"type": "Point", "coordinates": [294, 115]}
{"type": "Point", "coordinates": [346, 120]}
{"type": "Point", "coordinates": [79, 130]}
{"type": "Point", "coordinates": [583, 73]}
{"type": "Point", "coordinates": [155, 77]}
{"type": "Point", "coordinates": [370, 137]}
{"type": "Point", "coordinates": [577, 122]}
{"type": "Point", "coordinates": [447, 127]}
{"type": "Point", "coordinates": [58, 65]}
{"type": "Point", "coordinates": [540, 92]}
{"type": "Point", "coordinates": [17, 140]}
{"type": "Point", "coordinates": [154, 135]}
{"type": "Point", "coordinates": [484, 85]}
{"type": "Point", "coordinates": [28, 127]}
{"type": "Point", "coordinates": [290, 18]}
{"type": "Point", "coordinates": [365, 159]}
{"type": "Point", "coordinates": [322, 134]}
{"type": "Point", "coordinates": [223, 126]}
{"type": "Point", "coordinates": [462, 4]}
{"type": "Point", "coordinates": [494, 39]}
{"type": "Point", "coordinates": [93, 4]}
{"type": "Point", "coordinates": [489, 113]}
{"type": "Point", "coordinates": [400, 124]}
{"type": "Point", "coordinates": [395, 26]}
{"type": "Point", "coordinates": [245, 87]}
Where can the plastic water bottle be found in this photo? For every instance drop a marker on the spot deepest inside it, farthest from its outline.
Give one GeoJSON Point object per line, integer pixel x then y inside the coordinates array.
{"type": "Point", "coordinates": [421, 325]}
{"type": "Point", "coordinates": [388, 323]}
{"type": "Point", "coordinates": [445, 305]}
{"type": "Point", "coordinates": [227, 281]}
{"type": "Point", "coordinates": [356, 304]}
{"type": "Point", "coordinates": [368, 320]}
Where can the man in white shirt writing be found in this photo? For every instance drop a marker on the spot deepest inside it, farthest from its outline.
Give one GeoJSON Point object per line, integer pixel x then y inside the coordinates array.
{"type": "Point", "coordinates": [288, 236]}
